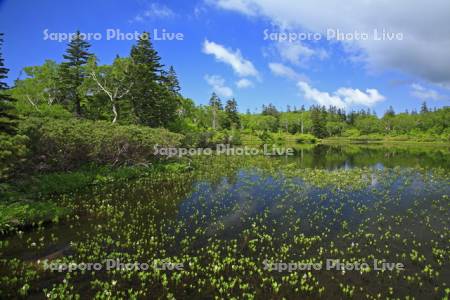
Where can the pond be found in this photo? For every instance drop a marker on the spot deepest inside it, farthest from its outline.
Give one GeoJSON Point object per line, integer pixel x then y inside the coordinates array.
{"type": "Point", "coordinates": [331, 222]}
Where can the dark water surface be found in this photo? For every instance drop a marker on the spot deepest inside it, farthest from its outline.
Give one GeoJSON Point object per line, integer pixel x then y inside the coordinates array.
{"type": "Point", "coordinates": [227, 219]}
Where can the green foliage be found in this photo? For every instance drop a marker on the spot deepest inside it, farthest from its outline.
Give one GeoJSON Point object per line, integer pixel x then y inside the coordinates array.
{"type": "Point", "coordinates": [368, 124]}
{"type": "Point", "coordinates": [211, 138]}
{"type": "Point", "coordinates": [12, 146]}
{"type": "Point", "coordinates": [40, 86]}
{"type": "Point", "coordinates": [215, 102]}
{"type": "Point", "coordinates": [8, 118]}
{"type": "Point", "coordinates": [305, 139]}
{"type": "Point", "coordinates": [42, 186]}
{"type": "Point", "coordinates": [28, 213]}
{"type": "Point", "coordinates": [333, 122]}
{"type": "Point", "coordinates": [270, 110]}
{"type": "Point", "coordinates": [351, 132]}
{"type": "Point", "coordinates": [232, 116]}
{"type": "Point", "coordinates": [111, 81]}
{"type": "Point", "coordinates": [265, 137]}
{"type": "Point", "coordinates": [295, 122]}
{"type": "Point", "coordinates": [215, 109]}
{"type": "Point", "coordinates": [73, 72]}
{"type": "Point", "coordinates": [154, 102]}
{"type": "Point", "coordinates": [260, 122]}
{"type": "Point", "coordinates": [13, 151]}
{"type": "Point", "coordinates": [67, 144]}
{"type": "Point", "coordinates": [319, 122]}
{"type": "Point", "coordinates": [171, 80]}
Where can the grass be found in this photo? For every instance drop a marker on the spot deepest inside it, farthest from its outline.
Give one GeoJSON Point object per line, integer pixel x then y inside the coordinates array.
{"type": "Point", "coordinates": [18, 212]}
{"type": "Point", "coordinates": [27, 213]}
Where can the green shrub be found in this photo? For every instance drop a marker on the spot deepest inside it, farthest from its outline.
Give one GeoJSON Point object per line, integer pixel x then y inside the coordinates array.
{"type": "Point", "coordinates": [211, 138]}
{"type": "Point", "coordinates": [66, 144]}
{"type": "Point", "coordinates": [54, 111]}
{"type": "Point", "coordinates": [13, 151]}
{"type": "Point", "coordinates": [305, 139]}
{"type": "Point", "coordinates": [13, 215]}
{"type": "Point", "coordinates": [352, 132]}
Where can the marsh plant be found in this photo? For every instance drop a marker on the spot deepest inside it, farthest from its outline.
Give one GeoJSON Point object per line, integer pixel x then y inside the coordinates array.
{"type": "Point", "coordinates": [223, 217]}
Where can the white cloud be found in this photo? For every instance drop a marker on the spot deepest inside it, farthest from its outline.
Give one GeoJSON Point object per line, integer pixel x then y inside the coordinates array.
{"type": "Point", "coordinates": [285, 71]}
{"type": "Point", "coordinates": [357, 97]}
{"type": "Point", "coordinates": [423, 52]}
{"type": "Point", "coordinates": [237, 5]}
{"type": "Point", "coordinates": [322, 98]}
{"type": "Point", "coordinates": [155, 11]}
{"type": "Point", "coordinates": [424, 93]}
{"type": "Point", "coordinates": [218, 85]}
{"type": "Point", "coordinates": [298, 53]}
{"type": "Point", "coordinates": [240, 65]}
{"type": "Point", "coordinates": [342, 98]}
{"type": "Point", "coordinates": [244, 83]}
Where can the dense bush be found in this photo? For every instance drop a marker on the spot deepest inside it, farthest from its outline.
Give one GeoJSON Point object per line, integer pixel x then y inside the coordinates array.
{"type": "Point", "coordinates": [28, 213]}
{"type": "Point", "coordinates": [66, 144]}
{"type": "Point", "coordinates": [211, 138]}
{"type": "Point", "coordinates": [305, 139]}
{"type": "Point", "coordinates": [12, 154]}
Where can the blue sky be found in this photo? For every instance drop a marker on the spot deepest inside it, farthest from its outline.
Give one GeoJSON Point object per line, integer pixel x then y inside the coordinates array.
{"type": "Point", "coordinates": [224, 50]}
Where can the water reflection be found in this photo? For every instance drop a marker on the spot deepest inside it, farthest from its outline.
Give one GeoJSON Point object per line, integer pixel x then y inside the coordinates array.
{"type": "Point", "coordinates": [336, 157]}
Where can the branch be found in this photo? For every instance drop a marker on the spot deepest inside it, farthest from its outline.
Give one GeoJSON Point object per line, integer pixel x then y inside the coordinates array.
{"type": "Point", "coordinates": [32, 103]}
{"type": "Point", "coordinates": [126, 91]}
{"type": "Point", "coordinates": [100, 85]}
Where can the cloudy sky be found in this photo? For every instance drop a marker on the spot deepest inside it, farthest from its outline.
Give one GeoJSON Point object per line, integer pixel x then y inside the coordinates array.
{"type": "Point", "coordinates": [352, 54]}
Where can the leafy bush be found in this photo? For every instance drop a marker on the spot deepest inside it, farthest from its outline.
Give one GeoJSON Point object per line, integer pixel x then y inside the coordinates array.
{"type": "Point", "coordinates": [211, 138]}
{"type": "Point", "coordinates": [18, 214]}
{"type": "Point", "coordinates": [265, 137]}
{"type": "Point", "coordinates": [54, 111]}
{"type": "Point", "coordinates": [352, 132]}
{"type": "Point", "coordinates": [66, 144]}
{"type": "Point", "coordinates": [12, 153]}
{"type": "Point", "coordinates": [305, 139]}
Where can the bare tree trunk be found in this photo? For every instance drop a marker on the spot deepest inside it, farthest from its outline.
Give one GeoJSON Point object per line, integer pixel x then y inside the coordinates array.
{"type": "Point", "coordinates": [214, 119]}
{"type": "Point", "coordinates": [32, 103]}
{"type": "Point", "coordinates": [113, 96]}
{"type": "Point", "coordinates": [114, 109]}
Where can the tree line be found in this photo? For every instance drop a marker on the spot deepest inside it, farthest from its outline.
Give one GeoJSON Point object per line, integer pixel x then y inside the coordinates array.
{"type": "Point", "coordinates": [331, 121]}
{"type": "Point", "coordinates": [138, 89]}
{"type": "Point", "coordinates": [134, 89]}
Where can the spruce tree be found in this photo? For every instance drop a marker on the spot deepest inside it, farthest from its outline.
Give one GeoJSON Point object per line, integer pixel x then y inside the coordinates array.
{"type": "Point", "coordinates": [13, 148]}
{"type": "Point", "coordinates": [389, 112]}
{"type": "Point", "coordinates": [215, 101]}
{"type": "Point", "coordinates": [72, 71]}
{"type": "Point", "coordinates": [318, 119]}
{"type": "Point", "coordinates": [172, 81]}
{"type": "Point", "coordinates": [424, 108]}
{"type": "Point", "coordinates": [216, 105]}
{"type": "Point", "coordinates": [270, 110]}
{"type": "Point", "coordinates": [8, 118]}
{"type": "Point", "coordinates": [232, 114]}
{"type": "Point", "coordinates": [153, 103]}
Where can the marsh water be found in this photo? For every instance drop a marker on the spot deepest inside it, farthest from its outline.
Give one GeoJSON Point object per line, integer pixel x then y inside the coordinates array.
{"type": "Point", "coordinates": [228, 218]}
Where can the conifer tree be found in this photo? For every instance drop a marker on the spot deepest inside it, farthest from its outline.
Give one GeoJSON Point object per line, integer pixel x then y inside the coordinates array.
{"type": "Point", "coordinates": [424, 108]}
{"type": "Point", "coordinates": [172, 81]}
{"type": "Point", "coordinates": [318, 119]}
{"type": "Point", "coordinates": [13, 148]}
{"type": "Point", "coordinates": [232, 114]}
{"type": "Point", "coordinates": [153, 103]}
{"type": "Point", "coordinates": [8, 117]}
{"type": "Point", "coordinates": [216, 104]}
{"type": "Point", "coordinates": [72, 71]}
